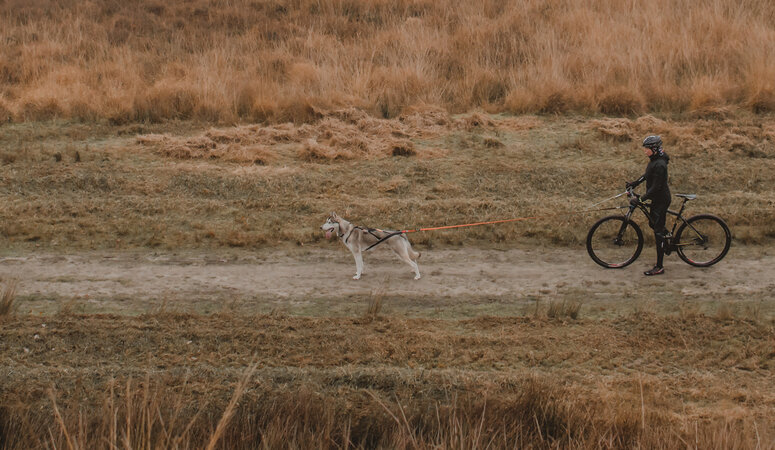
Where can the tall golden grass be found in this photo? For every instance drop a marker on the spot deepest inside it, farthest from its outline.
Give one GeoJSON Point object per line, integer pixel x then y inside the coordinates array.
{"type": "Point", "coordinates": [248, 60]}
{"type": "Point", "coordinates": [192, 381]}
{"type": "Point", "coordinates": [8, 299]}
{"type": "Point", "coordinates": [521, 413]}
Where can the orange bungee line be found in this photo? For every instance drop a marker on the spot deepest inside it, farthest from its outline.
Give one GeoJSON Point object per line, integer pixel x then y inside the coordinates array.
{"type": "Point", "coordinates": [517, 219]}
{"type": "Point", "coordinates": [524, 218]}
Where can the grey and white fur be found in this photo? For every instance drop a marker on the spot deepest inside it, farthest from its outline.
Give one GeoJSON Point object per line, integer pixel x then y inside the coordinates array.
{"type": "Point", "coordinates": [358, 239]}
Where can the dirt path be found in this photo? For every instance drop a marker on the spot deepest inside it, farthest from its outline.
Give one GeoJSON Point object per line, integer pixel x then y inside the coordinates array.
{"type": "Point", "coordinates": [327, 272]}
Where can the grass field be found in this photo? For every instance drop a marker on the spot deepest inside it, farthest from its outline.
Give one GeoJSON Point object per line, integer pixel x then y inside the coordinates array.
{"type": "Point", "coordinates": [165, 380]}
{"type": "Point", "coordinates": [546, 377]}
{"type": "Point", "coordinates": [165, 168]}
{"type": "Point", "coordinates": [273, 60]}
{"type": "Point", "coordinates": [175, 186]}
{"type": "Point", "coordinates": [704, 363]}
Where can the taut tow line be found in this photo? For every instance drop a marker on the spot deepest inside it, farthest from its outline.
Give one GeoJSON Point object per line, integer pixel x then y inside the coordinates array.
{"type": "Point", "coordinates": [492, 222]}
{"type": "Point", "coordinates": [516, 219]}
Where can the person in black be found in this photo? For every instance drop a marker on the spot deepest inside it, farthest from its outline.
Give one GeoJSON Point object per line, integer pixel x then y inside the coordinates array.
{"type": "Point", "coordinates": [658, 192]}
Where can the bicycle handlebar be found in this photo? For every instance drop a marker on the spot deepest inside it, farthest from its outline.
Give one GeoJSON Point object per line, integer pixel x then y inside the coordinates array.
{"type": "Point", "coordinates": [631, 194]}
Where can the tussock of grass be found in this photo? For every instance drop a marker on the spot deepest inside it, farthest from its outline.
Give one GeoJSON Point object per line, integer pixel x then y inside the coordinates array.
{"type": "Point", "coordinates": [375, 302]}
{"type": "Point", "coordinates": [312, 151]}
{"type": "Point", "coordinates": [559, 310]}
{"type": "Point", "coordinates": [725, 312]}
{"type": "Point", "coordinates": [7, 299]}
{"type": "Point", "coordinates": [403, 148]}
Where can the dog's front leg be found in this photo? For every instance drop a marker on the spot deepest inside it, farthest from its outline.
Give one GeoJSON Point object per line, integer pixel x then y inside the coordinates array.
{"type": "Point", "coordinates": [358, 265]}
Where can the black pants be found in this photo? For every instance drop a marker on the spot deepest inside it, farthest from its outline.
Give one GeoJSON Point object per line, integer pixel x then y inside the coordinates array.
{"type": "Point", "coordinates": [657, 223]}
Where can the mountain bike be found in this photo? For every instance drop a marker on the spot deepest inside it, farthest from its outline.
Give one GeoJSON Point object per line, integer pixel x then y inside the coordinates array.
{"type": "Point", "coordinates": [616, 241]}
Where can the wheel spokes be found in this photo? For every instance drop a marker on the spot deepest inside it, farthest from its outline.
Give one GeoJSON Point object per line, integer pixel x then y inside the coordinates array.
{"type": "Point", "coordinates": [613, 243]}
{"type": "Point", "coordinates": [705, 240]}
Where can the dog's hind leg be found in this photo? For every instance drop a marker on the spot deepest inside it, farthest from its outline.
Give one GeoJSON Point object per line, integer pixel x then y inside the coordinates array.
{"type": "Point", "coordinates": [405, 253]}
{"type": "Point", "coordinates": [416, 269]}
{"type": "Point", "coordinates": [358, 265]}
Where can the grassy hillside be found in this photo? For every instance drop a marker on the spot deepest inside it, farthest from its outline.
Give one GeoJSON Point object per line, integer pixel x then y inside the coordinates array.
{"type": "Point", "coordinates": [177, 186]}
{"type": "Point", "coordinates": [149, 60]}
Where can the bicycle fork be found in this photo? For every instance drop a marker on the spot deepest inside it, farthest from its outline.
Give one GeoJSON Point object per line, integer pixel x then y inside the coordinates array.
{"type": "Point", "coordinates": [618, 239]}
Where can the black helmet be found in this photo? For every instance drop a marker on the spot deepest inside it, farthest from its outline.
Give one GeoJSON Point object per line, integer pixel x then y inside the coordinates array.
{"type": "Point", "coordinates": [653, 142]}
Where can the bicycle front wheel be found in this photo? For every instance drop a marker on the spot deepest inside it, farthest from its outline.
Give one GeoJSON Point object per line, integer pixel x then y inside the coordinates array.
{"type": "Point", "coordinates": [703, 240]}
{"type": "Point", "coordinates": [614, 242]}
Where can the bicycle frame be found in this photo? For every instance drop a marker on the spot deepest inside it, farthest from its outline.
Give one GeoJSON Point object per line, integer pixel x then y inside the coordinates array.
{"type": "Point", "coordinates": [678, 217]}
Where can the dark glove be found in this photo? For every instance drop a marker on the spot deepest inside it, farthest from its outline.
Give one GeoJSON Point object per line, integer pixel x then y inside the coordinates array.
{"type": "Point", "coordinates": [629, 184]}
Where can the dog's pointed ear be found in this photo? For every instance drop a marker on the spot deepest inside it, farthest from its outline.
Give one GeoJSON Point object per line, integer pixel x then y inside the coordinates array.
{"type": "Point", "coordinates": [334, 216]}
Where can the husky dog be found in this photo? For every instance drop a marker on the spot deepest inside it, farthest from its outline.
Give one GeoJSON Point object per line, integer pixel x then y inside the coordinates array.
{"type": "Point", "coordinates": [359, 239]}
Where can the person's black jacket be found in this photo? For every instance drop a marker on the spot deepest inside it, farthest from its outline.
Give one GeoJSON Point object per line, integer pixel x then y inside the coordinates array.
{"type": "Point", "coordinates": [657, 189]}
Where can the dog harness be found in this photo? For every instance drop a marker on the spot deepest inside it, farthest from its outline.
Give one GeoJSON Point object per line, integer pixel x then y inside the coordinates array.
{"type": "Point", "coordinates": [371, 231]}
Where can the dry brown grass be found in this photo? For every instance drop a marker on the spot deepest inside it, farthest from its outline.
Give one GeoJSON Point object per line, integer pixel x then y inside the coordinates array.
{"type": "Point", "coordinates": [636, 381]}
{"type": "Point", "coordinates": [376, 300]}
{"type": "Point", "coordinates": [271, 61]}
{"type": "Point", "coordinates": [347, 134]}
{"type": "Point", "coordinates": [175, 186]}
{"type": "Point", "coordinates": [563, 309]}
{"type": "Point", "coordinates": [8, 299]}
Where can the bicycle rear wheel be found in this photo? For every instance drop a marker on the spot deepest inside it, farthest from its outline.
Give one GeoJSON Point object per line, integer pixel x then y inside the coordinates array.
{"type": "Point", "coordinates": [703, 240]}
{"type": "Point", "coordinates": [614, 242]}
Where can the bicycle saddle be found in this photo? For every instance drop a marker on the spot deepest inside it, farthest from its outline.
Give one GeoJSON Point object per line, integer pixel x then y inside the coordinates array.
{"type": "Point", "coordinates": [687, 196]}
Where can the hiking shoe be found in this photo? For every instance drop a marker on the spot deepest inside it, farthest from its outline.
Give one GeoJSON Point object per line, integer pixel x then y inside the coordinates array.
{"type": "Point", "coordinates": [655, 271]}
